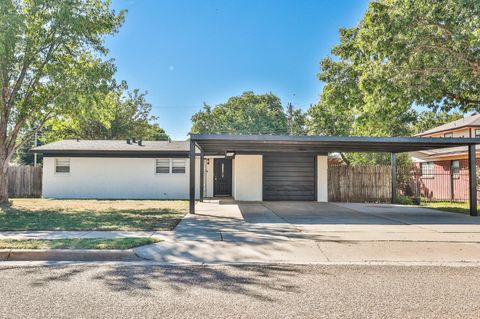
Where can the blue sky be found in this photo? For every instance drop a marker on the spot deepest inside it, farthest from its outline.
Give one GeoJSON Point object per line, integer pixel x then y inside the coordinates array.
{"type": "Point", "coordinates": [185, 53]}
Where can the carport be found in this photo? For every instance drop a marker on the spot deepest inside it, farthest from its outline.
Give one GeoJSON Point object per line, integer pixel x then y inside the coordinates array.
{"type": "Point", "coordinates": [273, 147]}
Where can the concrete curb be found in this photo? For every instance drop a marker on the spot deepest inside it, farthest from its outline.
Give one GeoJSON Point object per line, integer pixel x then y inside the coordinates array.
{"type": "Point", "coordinates": [68, 255]}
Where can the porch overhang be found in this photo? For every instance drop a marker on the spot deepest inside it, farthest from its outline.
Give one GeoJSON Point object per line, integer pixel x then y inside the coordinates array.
{"type": "Point", "coordinates": [220, 144]}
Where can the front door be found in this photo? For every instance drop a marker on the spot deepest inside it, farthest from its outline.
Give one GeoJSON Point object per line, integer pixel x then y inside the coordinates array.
{"type": "Point", "coordinates": [222, 176]}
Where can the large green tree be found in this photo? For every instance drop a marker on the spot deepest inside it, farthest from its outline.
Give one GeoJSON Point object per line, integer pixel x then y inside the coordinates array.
{"type": "Point", "coordinates": [403, 53]}
{"type": "Point", "coordinates": [50, 59]}
{"type": "Point", "coordinates": [248, 113]}
{"type": "Point", "coordinates": [118, 114]}
{"type": "Point", "coordinates": [428, 50]}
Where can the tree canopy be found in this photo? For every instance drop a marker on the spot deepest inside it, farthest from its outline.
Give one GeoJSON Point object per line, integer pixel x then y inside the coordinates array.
{"type": "Point", "coordinates": [119, 114]}
{"type": "Point", "coordinates": [403, 54]}
{"type": "Point", "coordinates": [248, 113]}
{"type": "Point", "coordinates": [419, 52]}
{"type": "Point", "coordinates": [51, 57]}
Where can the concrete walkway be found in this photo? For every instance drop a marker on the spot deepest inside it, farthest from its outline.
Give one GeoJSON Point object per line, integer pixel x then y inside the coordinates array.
{"type": "Point", "coordinates": [318, 232]}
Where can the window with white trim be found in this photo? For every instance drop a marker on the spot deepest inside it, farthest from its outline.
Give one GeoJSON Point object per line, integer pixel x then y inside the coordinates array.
{"type": "Point", "coordinates": [162, 166]}
{"type": "Point", "coordinates": [170, 166]}
{"type": "Point", "coordinates": [62, 165]}
{"type": "Point", "coordinates": [455, 167]}
{"type": "Point", "coordinates": [477, 133]}
{"type": "Point", "coordinates": [427, 169]}
{"type": "Point", "coordinates": [178, 166]}
{"type": "Point", "coordinates": [448, 135]}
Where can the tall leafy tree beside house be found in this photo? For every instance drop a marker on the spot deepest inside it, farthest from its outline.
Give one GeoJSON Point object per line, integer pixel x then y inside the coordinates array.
{"type": "Point", "coordinates": [427, 50]}
{"type": "Point", "coordinates": [419, 52]}
{"type": "Point", "coordinates": [248, 113]}
{"type": "Point", "coordinates": [50, 59]}
{"type": "Point", "coordinates": [402, 53]}
{"type": "Point", "coordinates": [118, 114]}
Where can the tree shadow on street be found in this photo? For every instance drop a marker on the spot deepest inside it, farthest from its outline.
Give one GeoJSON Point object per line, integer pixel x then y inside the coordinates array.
{"type": "Point", "coordinates": [255, 281]}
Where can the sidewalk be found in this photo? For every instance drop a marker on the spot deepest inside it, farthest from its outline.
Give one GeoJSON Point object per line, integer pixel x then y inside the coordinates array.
{"type": "Point", "coordinates": [219, 234]}
{"type": "Point", "coordinates": [211, 239]}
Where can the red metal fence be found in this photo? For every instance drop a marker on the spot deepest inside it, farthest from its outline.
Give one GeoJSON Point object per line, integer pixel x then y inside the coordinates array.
{"type": "Point", "coordinates": [441, 183]}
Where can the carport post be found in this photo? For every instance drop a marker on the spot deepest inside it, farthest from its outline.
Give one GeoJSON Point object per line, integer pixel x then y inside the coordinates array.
{"type": "Point", "coordinates": [472, 179]}
{"type": "Point", "coordinates": [202, 173]}
{"type": "Point", "coordinates": [393, 161]}
{"type": "Point", "coordinates": [192, 178]}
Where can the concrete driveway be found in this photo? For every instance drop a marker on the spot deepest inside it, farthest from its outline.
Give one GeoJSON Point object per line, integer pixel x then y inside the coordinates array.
{"type": "Point", "coordinates": [311, 232]}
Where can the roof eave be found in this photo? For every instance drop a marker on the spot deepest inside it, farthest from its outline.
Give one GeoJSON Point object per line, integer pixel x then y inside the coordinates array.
{"type": "Point", "coordinates": [212, 142]}
{"type": "Point", "coordinates": [447, 129]}
{"type": "Point", "coordinates": [107, 152]}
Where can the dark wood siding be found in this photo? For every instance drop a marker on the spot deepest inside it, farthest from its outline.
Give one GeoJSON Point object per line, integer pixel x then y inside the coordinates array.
{"type": "Point", "coordinates": [289, 176]}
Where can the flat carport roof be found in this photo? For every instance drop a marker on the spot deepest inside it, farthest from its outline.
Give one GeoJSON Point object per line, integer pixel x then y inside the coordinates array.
{"type": "Point", "coordinates": [220, 144]}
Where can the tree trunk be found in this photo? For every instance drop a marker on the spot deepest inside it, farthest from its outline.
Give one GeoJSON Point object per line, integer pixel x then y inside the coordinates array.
{"type": "Point", "coordinates": [345, 159]}
{"type": "Point", "coordinates": [3, 187]}
{"type": "Point", "coordinates": [5, 158]}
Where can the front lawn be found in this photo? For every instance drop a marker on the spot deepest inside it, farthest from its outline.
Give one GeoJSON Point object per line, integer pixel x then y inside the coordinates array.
{"type": "Point", "coordinates": [456, 207]}
{"type": "Point", "coordinates": [77, 243]}
{"type": "Point", "coordinates": [127, 215]}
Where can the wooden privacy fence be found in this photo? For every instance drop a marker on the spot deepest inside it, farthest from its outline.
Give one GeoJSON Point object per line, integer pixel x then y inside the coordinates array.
{"type": "Point", "coordinates": [359, 183]}
{"type": "Point", "coordinates": [24, 181]}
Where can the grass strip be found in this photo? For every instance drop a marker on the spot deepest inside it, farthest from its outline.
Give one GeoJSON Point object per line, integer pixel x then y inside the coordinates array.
{"type": "Point", "coordinates": [455, 207]}
{"type": "Point", "coordinates": [77, 243]}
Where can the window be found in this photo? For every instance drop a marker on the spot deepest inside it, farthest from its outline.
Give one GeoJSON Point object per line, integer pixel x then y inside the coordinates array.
{"type": "Point", "coordinates": [448, 135]}
{"type": "Point", "coordinates": [427, 169]}
{"type": "Point", "coordinates": [477, 133]}
{"type": "Point", "coordinates": [62, 166]}
{"type": "Point", "coordinates": [178, 166]}
{"type": "Point", "coordinates": [455, 167]}
{"type": "Point", "coordinates": [162, 166]}
{"type": "Point", "coordinates": [170, 166]}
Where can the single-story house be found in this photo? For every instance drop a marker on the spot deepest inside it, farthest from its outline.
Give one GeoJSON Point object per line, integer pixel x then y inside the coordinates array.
{"type": "Point", "coordinates": [243, 167]}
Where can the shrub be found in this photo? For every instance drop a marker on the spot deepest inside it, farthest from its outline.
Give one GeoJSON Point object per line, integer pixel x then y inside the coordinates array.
{"type": "Point", "coordinates": [407, 200]}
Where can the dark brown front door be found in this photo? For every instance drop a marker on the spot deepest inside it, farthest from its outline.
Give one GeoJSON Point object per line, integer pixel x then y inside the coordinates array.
{"type": "Point", "coordinates": [222, 176]}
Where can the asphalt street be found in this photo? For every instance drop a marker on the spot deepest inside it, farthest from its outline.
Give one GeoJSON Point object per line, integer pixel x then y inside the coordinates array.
{"type": "Point", "coordinates": [273, 291]}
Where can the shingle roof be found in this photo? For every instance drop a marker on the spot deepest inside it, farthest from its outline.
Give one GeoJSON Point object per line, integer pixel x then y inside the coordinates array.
{"type": "Point", "coordinates": [473, 120]}
{"type": "Point", "coordinates": [113, 146]}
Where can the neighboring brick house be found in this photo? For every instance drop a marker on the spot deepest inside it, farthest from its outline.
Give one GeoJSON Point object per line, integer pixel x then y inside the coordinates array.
{"type": "Point", "coordinates": [443, 174]}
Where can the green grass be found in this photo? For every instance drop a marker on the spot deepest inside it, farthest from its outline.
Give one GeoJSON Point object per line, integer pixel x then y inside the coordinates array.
{"type": "Point", "coordinates": [456, 207]}
{"type": "Point", "coordinates": [40, 214]}
{"type": "Point", "coordinates": [77, 243]}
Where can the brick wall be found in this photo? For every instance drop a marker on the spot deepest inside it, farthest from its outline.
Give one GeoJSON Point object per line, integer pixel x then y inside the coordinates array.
{"type": "Point", "coordinates": [440, 184]}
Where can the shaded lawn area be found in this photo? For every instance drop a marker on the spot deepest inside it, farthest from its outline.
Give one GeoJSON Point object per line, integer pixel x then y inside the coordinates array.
{"type": "Point", "coordinates": [126, 215]}
{"type": "Point", "coordinates": [456, 207]}
{"type": "Point", "coordinates": [77, 243]}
